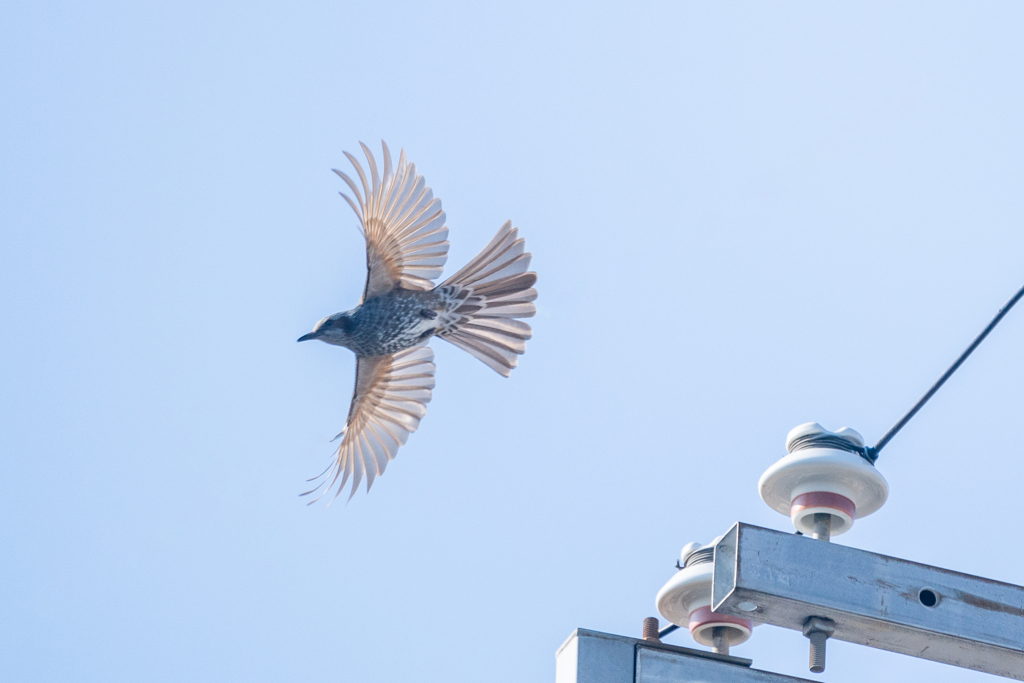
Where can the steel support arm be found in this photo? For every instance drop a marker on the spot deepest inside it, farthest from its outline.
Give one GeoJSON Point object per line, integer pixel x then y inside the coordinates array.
{"type": "Point", "coordinates": [883, 602]}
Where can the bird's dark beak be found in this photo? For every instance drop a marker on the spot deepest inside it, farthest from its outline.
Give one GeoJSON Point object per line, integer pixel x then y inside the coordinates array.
{"type": "Point", "coordinates": [307, 337]}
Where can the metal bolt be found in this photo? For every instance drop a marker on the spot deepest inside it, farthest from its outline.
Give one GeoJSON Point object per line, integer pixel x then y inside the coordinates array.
{"type": "Point", "coordinates": [719, 642]}
{"type": "Point", "coordinates": [818, 630]}
{"type": "Point", "coordinates": [651, 629]}
{"type": "Point", "coordinates": [817, 659]}
{"type": "Point", "coordinates": [822, 526]}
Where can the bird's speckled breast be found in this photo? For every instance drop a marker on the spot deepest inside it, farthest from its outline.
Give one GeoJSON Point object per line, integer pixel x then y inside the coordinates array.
{"type": "Point", "coordinates": [393, 322]}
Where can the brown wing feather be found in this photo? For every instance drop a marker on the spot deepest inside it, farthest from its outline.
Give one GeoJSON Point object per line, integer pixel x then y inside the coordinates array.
{"type": "Point", "coordinates": [404, 226]}
{"type": "Point", "coordinates": [388, 403]}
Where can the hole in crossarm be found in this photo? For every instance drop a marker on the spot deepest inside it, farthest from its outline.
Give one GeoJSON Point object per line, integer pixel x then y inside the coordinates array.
{"type": "Point", "coordinates": [928, 597]}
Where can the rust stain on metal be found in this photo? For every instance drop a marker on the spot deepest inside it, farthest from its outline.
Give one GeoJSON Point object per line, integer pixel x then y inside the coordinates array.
{"type": "Point", "coordinates": [989, 605]}
{"type": "Point", "coordinates": [886, 584]}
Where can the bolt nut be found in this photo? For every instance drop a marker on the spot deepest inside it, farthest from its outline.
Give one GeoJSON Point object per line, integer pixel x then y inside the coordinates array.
{"type": "Point", "coordinates": [815, 624]}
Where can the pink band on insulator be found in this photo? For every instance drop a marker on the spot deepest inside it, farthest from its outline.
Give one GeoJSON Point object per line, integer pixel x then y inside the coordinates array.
{"type": "Point", "coordinates": [704, 615]}
{"type": "Point", "coordinates": [823, 499]}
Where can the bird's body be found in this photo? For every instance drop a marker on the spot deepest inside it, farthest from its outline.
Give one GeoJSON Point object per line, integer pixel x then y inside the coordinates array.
{"type": "Point", "coordinates": [477, 309]}
{"type": "Point", "coordinates": [385, 324]}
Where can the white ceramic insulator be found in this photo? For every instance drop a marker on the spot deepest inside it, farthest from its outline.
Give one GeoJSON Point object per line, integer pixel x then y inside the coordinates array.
{"type": "Point", "coordinates": [689, 591]}
{"type": "Point", "coordinates": [823, 470]}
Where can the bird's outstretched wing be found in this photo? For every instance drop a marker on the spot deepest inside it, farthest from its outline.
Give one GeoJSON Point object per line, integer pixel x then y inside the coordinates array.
{"type": "Point", "coordinates": [387, 405]}
{"type": "Point", "coordinates": [406, 238]}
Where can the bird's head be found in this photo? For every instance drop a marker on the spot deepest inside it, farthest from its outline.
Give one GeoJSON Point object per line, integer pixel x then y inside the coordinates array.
{"type": "Point", "coordinates": [334, 329]}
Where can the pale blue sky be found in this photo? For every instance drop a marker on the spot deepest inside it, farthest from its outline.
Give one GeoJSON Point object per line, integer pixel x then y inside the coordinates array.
{"type": "Point", "coordinates": [745, 216]}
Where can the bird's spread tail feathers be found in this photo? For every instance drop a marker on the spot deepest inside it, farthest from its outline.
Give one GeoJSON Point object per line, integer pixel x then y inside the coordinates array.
{"type": "Point", "coordinates": [484, 300]}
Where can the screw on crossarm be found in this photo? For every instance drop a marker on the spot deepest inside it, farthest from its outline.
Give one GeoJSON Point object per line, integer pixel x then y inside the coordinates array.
{"type": "Point", "coordinates": [651, 629]}
{"type": "Point", "coordinates": [818, 630]}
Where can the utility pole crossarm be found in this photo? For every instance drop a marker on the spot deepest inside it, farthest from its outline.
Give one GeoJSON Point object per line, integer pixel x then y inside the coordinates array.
{"type": "Point", "coordinates": [883, 602]}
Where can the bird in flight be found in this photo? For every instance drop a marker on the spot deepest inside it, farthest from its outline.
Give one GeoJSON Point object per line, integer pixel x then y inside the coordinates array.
{"type": "Point", "coordinates": [477, 309]}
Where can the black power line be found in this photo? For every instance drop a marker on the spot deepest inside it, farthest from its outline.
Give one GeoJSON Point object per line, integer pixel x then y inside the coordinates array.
{"type": "Point", "coordinates": [872, 453]}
